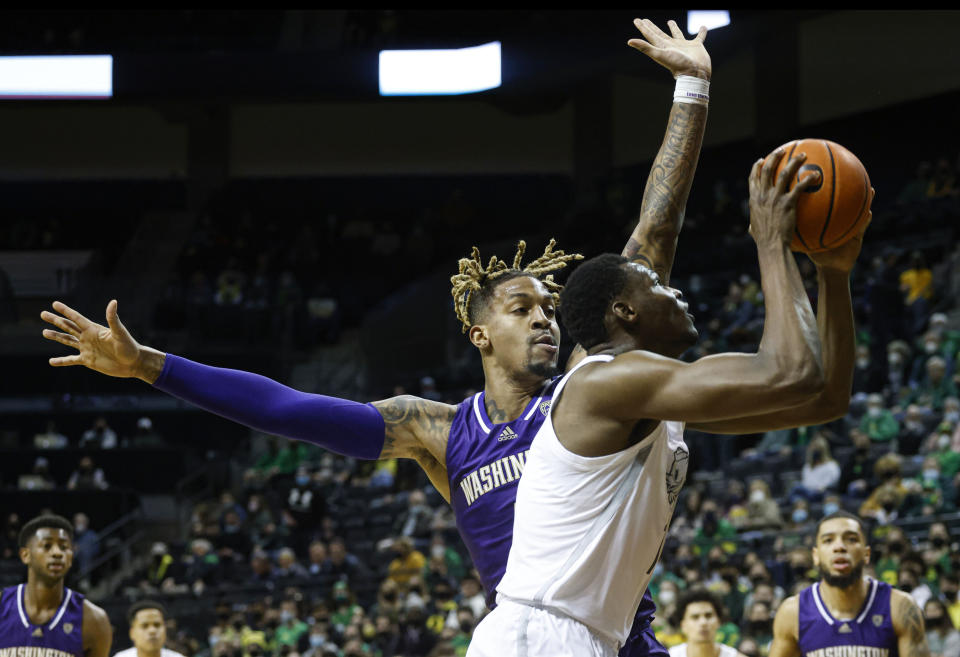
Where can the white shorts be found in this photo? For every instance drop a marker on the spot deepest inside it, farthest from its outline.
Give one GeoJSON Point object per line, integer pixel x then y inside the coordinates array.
{"type": "Point", "coordinates": [516, 630]}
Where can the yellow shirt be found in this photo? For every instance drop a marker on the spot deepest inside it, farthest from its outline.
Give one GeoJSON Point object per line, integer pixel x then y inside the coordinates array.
{"type": "Point", "coordinates": [918, 283]}
{"type": "Point", "coordinates": [402, 569]}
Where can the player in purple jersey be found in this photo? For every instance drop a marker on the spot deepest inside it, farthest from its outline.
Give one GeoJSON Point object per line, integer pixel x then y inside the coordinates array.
{"type": "Point", "coordinates": [510, 315]}
{"type": "Point", "coordinates": [846, 614]}
{"type": "Point", "coordinates": [43, 618]}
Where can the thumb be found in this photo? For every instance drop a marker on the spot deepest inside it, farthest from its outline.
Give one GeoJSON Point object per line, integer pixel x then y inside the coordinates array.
{"type": "Point", "coordinates": [113, 319]}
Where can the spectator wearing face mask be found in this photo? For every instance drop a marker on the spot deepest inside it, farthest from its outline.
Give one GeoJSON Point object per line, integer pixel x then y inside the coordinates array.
{"type": "Point", "coordinates": [878, 422]}
{"type": "Point", "coordinates": [913, 431]}
{"type": "Point", "coordinates": [867, 374]}
{"type": "Point", "coordinates": [942, 637]}
{"type": "Point", "coordinates": [886, 499]}
{"type": "Point", "coordinates": [759, 625]}
{"type": "Point", "coordinates": [949, 588]}
{"type": "Point", "coordinates": [291, 628]}
{"type": "Point", "coordinates": [762, 509]}
{"type": "Point", "coordinates": [929, 346]}
{"type": "Point", "coordinates": [939, 446]}
{"type": "Point", "coordinates": [938, 546]}
{"type": "Point", "coordinates": [951, 411]}
{"type": "Point", "coordinates": [897, 382]}
{"type": "Point", "coordinates": [715, 530]}
{"type": "Point", "coordinates": [858, 469]}
{"type": "Point", "coordinates": [936, 387]}
{"type": "Point", "coordinates": [820, 472]}
{"type": "Point", "coordinates": [930, 489]}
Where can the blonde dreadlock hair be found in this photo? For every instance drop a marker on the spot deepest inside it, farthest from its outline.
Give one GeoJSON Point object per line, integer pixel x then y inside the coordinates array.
{"type": "Point", "coordinates": [473, 276]}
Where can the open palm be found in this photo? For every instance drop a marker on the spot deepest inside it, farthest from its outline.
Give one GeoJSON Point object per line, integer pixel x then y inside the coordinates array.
{"type": "Point", "coordinates": [110, 349]}
{"type": "Point", "coordinates": [675, 53]}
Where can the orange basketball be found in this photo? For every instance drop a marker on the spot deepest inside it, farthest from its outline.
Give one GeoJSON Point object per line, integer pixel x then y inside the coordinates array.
{"type": "Point", "coordinates": [832, 212]}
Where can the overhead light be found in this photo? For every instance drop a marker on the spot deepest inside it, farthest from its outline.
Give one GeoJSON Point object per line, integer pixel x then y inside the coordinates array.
{"type": "Point", "coordinates": [712, 18]}
{"type": "Point", "coordinates": [56, 76]}
{"type": "Point", "coordinates": [439, 72]}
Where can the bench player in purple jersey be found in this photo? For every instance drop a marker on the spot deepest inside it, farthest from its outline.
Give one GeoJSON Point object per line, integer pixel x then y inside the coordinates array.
{"type": "Point", "coordinates": [846, 614]}
{"type": "Point", "coordinates": [42, 617]}
{"type": "Point", "coordinates": [473, 453]}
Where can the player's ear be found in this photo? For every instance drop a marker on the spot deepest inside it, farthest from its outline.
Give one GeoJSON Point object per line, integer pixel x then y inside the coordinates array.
{"type": "Point", "coordinates": [479, 336]}
{"type": "Point", "coordinates": [866, 555]}
{"type": "Point", "coordinates": [25, 555]}
{"type": "Point", "coordinates": [625, 311]}
{"type": "Point", "coordinates": [816, 557]}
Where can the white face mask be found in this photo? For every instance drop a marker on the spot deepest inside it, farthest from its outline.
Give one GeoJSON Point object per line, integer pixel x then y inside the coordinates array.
{"type": "Point", "coordinates": [863, 363]}
{"type": "Point", "coordinates": [930, 347]}
{"type": "Point", "coordinates": [952, 416]}
{"type": "Point", "coordinates": [874, 411]}
{"type": "Point", "coordinates": [894, 360]}
{"type": "Point", "coordinates": [757, 496]}
{"type": "Point", "coordinates": [667, 597]}
{"type": "Point", "coordinates": [943, 442]}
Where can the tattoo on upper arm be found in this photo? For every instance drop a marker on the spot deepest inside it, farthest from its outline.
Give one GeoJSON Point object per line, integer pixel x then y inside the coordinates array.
{"type": "Point", "coordinates": [912, 622]}
{"type": "Point", "coordinates": [407, 417]}
{"type": "Point", "coordinates": [667, 189]}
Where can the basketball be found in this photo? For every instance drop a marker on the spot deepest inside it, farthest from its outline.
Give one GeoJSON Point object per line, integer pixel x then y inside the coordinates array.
{"type": "Point", "coordinates": [832, 212]}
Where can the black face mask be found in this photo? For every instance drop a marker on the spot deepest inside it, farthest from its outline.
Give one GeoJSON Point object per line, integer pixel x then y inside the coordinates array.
{"type": "Point", "coordinates": [938, 541]}
{"type": "Point", "coordinates": [758, 628]}
{"type": "Point", "coordinates": [896, 547]}
{"type": "Point", "coordinates": [935, 623]}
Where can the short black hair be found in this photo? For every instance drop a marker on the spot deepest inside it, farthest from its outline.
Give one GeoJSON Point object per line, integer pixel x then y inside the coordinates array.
{"type": "Point", "coordinates": [480, 301]}
{"type": "Point", "coordinates": [842, 514]}
{"type": "Point", "coordinates": [696, 595]}
{"type": "Point", "coordinates": [47, 521]}
{"type": "Point", "coordinates": [145, 604]}
{"type": "Point", "coordinates": [588, 293]}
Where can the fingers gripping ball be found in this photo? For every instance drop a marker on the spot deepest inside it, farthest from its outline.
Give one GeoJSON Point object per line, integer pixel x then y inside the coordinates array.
{"type": "Point", "coordinates": [833, 211]}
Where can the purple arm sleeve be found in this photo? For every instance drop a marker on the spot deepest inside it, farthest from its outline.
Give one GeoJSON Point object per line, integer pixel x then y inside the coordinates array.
{"type": "Point", "coordinates": [342, 426]}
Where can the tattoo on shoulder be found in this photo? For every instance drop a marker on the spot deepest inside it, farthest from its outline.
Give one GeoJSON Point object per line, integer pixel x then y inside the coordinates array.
{"type": "Point", "coordinates": [911, 620]}
{"type": "Point", "coordinates": [407, 416]}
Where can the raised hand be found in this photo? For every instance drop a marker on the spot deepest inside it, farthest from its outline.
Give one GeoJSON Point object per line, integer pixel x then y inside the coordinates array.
{"type": "Point", "coordinates": [773, 205]}
{"type": "Point", "coordinates": [675, 53]}
{"type": "Point", "coordinates": [843, 257]}
{"type": "Point", "coordinates": [110, 349]}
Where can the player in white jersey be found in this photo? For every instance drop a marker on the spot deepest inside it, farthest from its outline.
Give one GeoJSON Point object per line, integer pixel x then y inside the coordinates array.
{"type": "Point", "coordinates": [604, 472]}
{"type": "Point", "coordinates": [698, 615]}
{"type": "Point", "coordinates": [148, 631]}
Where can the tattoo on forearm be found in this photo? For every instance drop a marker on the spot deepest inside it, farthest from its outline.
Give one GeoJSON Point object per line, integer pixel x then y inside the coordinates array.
{"type": "Point", "coordinates": [407, 415]}
{"type": "Point", "coordinates": [667, 189]}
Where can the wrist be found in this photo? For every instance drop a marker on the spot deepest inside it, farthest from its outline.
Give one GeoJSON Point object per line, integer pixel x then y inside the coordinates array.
{"type": "Point", "coordinates": [149, 364]}
{"type": "Point", "coordinates": [703, 74]}
{"type": "Point", "coordinates": [692, 90]}
{"type": "Point", "coordinates": [834, 271]}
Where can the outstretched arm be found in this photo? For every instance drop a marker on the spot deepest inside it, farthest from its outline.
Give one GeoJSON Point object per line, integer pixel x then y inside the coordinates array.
{"type": "Point", "coordinates": [367, 431]}
{"type": "Point", "coordinates": [835, 326]}
{"type": "Point", "coordinates": [654, 240]}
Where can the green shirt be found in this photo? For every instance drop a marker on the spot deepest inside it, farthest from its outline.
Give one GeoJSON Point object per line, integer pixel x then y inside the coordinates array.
{"type": "Point", "coordinates": [880, 428]}
{"type": "Point", "coordinates": [288, 635]}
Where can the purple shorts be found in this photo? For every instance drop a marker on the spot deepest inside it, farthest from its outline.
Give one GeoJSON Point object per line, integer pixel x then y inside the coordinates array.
{"type": "Point", "coordinates": [643, 644]}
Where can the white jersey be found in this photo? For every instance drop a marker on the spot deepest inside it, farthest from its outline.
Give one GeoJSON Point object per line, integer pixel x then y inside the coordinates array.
{"type": "Point", "coordinates": [132, 652]}
{"type": "Point", "coordinates": [588, 531]}
{"type": "Point", "coordinates": [725, 650]}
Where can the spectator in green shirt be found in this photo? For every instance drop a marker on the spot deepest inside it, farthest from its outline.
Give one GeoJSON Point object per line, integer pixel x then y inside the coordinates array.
{"type": "Point", "coordinates": [878, 422]}
{"type": "Point", "coordinates": [936, 387]}
{"type": "Point", "coordinates": [948, 459]}
{"type": "Point", "coordinates": [291, 628]}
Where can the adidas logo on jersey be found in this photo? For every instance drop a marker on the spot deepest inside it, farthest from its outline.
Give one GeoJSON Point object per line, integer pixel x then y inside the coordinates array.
{"type": "Point", "coordinates": [507, 434]}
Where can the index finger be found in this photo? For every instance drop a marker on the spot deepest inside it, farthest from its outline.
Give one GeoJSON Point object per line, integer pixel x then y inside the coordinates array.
{"type": "Point", "coordinates": [72, 314]}
{"type": "Point", "coordinates": [770, 163]}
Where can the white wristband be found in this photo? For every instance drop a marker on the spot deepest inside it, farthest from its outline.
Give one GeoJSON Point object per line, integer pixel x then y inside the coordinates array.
{"type": "Point", "coordinates": [693, 90]}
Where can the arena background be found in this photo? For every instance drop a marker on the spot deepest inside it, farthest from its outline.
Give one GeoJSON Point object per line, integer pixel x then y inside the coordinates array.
{"type": "Point", "coordinates": [252, 202]}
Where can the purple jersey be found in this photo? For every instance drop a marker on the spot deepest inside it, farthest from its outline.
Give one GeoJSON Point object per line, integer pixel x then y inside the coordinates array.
{"type": "Point", "coordinates": [869, 634]}
{"type": "Point", "coordinates": [484, 464]}
{"type": "Point", "coordinates": [61, 636]}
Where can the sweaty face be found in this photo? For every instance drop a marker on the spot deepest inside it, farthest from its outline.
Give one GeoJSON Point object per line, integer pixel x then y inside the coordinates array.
{"type": "Point", "coordinates": [148, 631]}
{"type": "Point", "coordinates": [521, 325]}
{"type": "Point", "coordinates": [49, 554]}
{"type": "Point", "coordinates": [841, 552]}
{"type": "Point", "coordinates": [665, 324]}
{"type": "Point", "coordinates": [700, 622]}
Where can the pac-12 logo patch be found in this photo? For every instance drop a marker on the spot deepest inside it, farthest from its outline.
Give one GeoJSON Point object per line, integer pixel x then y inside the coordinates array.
{"type": "Point", "coordinates": [68, 628]}
{"type": "Point", "coordinates": [545, 407]}
{"type": "Point", "coordinates": [878, 620]}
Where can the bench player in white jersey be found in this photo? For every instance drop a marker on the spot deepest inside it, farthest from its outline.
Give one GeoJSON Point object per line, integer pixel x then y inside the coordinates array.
{"type": "Point", "coordinates": [604, 472]}
{"type": "Point", "coordinates": [698, 615]}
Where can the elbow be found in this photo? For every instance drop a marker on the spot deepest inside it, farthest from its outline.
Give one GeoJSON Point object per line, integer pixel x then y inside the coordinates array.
{"type": "Point", "coordinates": [800, 385]}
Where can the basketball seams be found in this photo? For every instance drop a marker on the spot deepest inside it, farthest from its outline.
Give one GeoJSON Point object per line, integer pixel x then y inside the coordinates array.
{"type": "Point", "coordinates": [833, 193]}
{"type": "Point", "coordinates": [863, 206]}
